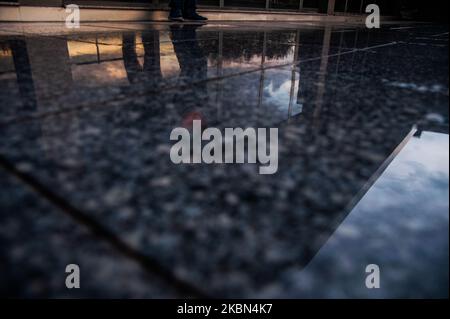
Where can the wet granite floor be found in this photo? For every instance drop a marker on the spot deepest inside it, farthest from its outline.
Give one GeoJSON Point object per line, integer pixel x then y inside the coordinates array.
{"type": "Point", "coordinates": [86, 177]}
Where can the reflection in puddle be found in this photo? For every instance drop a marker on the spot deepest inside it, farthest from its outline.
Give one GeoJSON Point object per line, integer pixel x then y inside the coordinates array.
{"type": "Point", "coordinates": [105, 73]}
{"type": "Point", "coordinates": [401, 224]}
{"type": "Point", "coordinates": [282, 92]}
{"type": "Point", "coordinates": [119, 60]}
{"type": "Point", "coordinates": [338, 123]}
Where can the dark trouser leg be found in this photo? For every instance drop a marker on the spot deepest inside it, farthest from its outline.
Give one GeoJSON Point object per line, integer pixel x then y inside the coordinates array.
{"type": "Point", "coordinates": [152, 56]}
{"type": "Point", "coordinates": [130, 59]}
{"type": "Point", "coordinates": [176, 4]}
{"type": "Point", "coordinates": [176, 10]}
{"type": "Point", "coordinates": [190, 7]}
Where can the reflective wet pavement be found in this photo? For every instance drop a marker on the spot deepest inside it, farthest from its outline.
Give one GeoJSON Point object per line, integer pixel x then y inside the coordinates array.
{"type": "Point", "coordinates": [85, 119]}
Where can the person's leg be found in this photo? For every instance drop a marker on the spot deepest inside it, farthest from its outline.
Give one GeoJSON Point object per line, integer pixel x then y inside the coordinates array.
{"type": "Point", "coordinates": [130, 58]}
{"type": "Point", "coordinates": [176, 10]}
{"type": "Point", "coordinates": [152, 56]}
{"type": "Point", "coordinates": [190, 11]}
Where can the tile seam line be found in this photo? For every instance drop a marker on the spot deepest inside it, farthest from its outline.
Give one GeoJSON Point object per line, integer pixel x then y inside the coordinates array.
{"type": "Point", "coordinates": [234, 27]}
{"type": "Point", "coordinates": [101, 104]}
{"type": "Point", "coordinates": [148, 264]}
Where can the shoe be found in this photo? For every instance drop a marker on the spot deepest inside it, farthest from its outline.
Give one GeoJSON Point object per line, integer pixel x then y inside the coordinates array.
{"type": "Point", "coordinates": [176, 15]}
{"type": "Point", "coordinates": [194, 17]}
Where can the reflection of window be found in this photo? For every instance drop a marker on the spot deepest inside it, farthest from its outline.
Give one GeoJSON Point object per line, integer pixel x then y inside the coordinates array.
{"type": "Point", "coordinates": [169, 62]}
{"type": "Point", "coordinates": [89, 49]}
{"type": "Point", "coordinates": [7, 70]}
{"type": "Point", "coordinates": [98, 61]}
{"type": "Point", "coordinates": [6, 59]}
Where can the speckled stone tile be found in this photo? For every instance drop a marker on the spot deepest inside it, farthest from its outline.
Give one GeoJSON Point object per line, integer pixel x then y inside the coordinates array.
{"type": "Point", "coordinates": [342, 110]}
{"type": "Point", "coordinates": [38, 241]}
